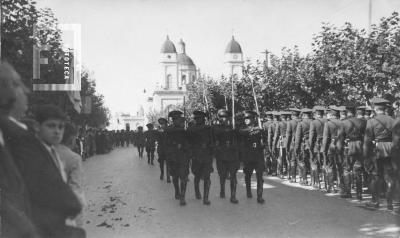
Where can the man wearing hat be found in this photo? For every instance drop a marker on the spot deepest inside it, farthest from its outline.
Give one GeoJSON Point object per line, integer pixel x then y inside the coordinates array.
{"type": "Point", "coordinates": [177, 154]}
{"type": "Point", "coordinates": [377, 151]}
{"type": "Point", "coordinates": [330, 147]}
{"type": "Point", "coordinates": [290, 143]}
{"type": "Point", "coordinates": [161, 150]}
{"type": "Point", "coordinates": [226, 153]}
{"type": "Point", "coordinates": [251, 153]}
{"type": "Point", "coordinates": [201, 144]}
{"type": "Point", "coordinates": [140, 140]}
{"type": "Point", "coordinates": [150, 137]}
{"type": "Point", "coordinates": [274, 152]}
{"type": "Point", "coordinates": [302, 144]}
{"type": "Point", "coordinates": [316, 133]}
{"type": "Point", "coordinates": [279, 142]}
{"type": "Point", "coordinates": [351, 138]}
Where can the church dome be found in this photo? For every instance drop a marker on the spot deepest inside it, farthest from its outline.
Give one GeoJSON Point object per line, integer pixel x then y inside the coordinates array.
{"type": "Point", "coordinates": [168, 46]}
{"type": "Point", "coordinates": [233, 47]}
{"type": "Point", "coordinates": [183, 59]}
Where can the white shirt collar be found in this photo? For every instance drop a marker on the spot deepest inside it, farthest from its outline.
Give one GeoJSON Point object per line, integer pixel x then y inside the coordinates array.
{"type": "Point", "coordinates": [20, 124]}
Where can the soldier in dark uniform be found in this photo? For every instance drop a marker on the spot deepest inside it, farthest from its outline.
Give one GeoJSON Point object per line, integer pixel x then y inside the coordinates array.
{"type": "Point", "coordinates": [351, 136]}
{"type": "Point", "coordinates": [140, 141]}
{"type": "Point", "coordinates": [150, 137]}
{"type": "Point", "coordinates": [251, 153]}
{"type": "Point", "coordinates": [177, 154]}
{"type": "Point", "coordinates": [201, 144]}
{"type": "Point", "coordinates": [395, 157]}
{"type": "Point", "coordinates": [267, 152]}
{"type": "Point", "coordinates": [302, 144]}
{"type": "Point", "coordinates": [161, 148]}
{"type": "Point", "coordinates": [330, 146]}
{"type": "Point", "coordinates": [226, 153]}
{"type": "Point", "coordinates": [290, 143]}
{"type": "Point", "coordinates": [316, 133]}
{"type": "Point", "coordinates": [377, 150]}
{"type": "Point", "coordinates": [279, 143]}
{"type": "Point", "coordinates": [273, 150]}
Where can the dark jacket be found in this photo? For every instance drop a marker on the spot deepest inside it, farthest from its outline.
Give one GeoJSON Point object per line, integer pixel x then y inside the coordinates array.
{"type": "Point", "coordinates": [52, 200]}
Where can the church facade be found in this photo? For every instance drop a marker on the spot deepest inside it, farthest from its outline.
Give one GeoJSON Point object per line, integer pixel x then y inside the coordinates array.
{"type": "Point", "coordinates": [178, 69]}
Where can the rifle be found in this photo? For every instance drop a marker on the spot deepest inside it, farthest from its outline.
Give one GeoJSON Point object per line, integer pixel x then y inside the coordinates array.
{"type": "Point", "coordinates": [233, 102]}
{"type": "Point", "coordinates": [255, 100]}
{"type": "Point", "coordinates": [207, 107]}
{"type": "Point", "coordinates": [184, 112]}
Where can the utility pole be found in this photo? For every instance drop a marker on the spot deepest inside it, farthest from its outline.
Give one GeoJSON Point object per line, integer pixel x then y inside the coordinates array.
{"type": "Point", "coordinates": [266, 52]}
{"type": "Point", "coordinates": [369, 15]}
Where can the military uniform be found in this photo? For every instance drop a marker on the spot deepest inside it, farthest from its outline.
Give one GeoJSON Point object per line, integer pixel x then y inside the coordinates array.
{"type": "Point", "coordinates": [302, 145]}
{"type": "Point", "coordinates": [279, 143]}
{"type": "Point", "coordinates": [177, 154]}
{"type": "Point", "coordinates": [330, 147]}
{"type": "Point", "coordinates": [267, 152]}
{"type": "Point", "coordinates": [161, 148]}
{"type": "Point", "coordinates": [226, 154]}
{"type": "Point", "coordinates": [316, 134]}
{"type": "Point", "coordinates": [150, 137]}
{"type": "Point", "coordinates": [377, 150]}
{"type": "Point", "coordinates": [274, 152]}
{"type": "Point", "coordinates": [290, 143]}
{"type": "Point", "coordinates": [140, 141]}
{"type": "Point", "coordinates": [351, 139]}
{"type": "Point", "coordinates": [251, 154]}
{"type": "Point", "coordinates": [201, 145]}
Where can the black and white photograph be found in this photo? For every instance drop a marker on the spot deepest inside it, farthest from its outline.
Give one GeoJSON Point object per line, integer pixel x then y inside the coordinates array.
{"type": "Point", "coordinates": [199, 119]}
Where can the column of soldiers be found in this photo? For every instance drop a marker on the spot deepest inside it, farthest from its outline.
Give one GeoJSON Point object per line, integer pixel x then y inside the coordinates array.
{"type": "Point", "coordinates": [341, 148]}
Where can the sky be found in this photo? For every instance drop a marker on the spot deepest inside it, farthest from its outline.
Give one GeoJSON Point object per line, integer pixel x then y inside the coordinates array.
{"type": "Point", "coordinates": [121, 39]}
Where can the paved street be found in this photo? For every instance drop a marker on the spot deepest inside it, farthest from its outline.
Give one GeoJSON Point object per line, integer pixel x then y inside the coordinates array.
{"type": "Point", "coordinates": [127, 199]}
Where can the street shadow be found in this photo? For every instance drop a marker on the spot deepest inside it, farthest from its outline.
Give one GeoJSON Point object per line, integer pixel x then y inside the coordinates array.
{"type": "Point", "coordinates": [380, 230]}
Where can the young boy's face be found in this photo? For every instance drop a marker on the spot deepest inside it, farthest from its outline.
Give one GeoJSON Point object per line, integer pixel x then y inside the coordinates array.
{"type": "Point", "coordinates": [51, 131]}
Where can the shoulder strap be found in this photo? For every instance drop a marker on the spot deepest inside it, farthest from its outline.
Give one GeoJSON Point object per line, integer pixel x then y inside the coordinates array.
{"type": "Point", "coordinates": [383, 125]}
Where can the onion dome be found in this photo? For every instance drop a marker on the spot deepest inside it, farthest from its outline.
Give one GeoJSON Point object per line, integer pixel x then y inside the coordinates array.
{"type": "Point", "coordinates": [233, 47]}
{"type": "Point", "coordinates": [168, 46]}
{"type": "Point", "coordinates": [183, 59]}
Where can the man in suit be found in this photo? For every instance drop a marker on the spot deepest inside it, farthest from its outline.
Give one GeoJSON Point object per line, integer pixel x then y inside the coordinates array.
{"type": "Point", "coordinates": [15, 207]}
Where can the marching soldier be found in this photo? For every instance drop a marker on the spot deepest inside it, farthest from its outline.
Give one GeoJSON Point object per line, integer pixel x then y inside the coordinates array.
{"type": "Point", "coordinates": [290, 143]}
{"type": "Point", "coordinates": [316, 133]}
{"type": "Point", "coordinates": [351, 137]}
{"type": "Point", "coordinates": [177, 154]}
{"type": "Point", "coordinates": [279, 143]}
{"type": "Point", "coordinates": [273, 150]}
{"type": "Point", "coordinates": [330, 146]}
{"type": "Point", "coordinates": [302, 144]}
{"type": "Point", "coordinates": [396, 153]}
{"type": "Point", "coordinates": [200, 140]}
{"type": "Point", "coordinates": [140, 141]}
{"type": "Point", "coordinates": [150, 137]}
{"type": "Point", "coordinates": [251, 153]}
{"type": "Point", "coordinates": [267, 152]}
{"type": "Point", "coordinates": [226, 153]}
{"type": "Point", "coordinates": [377, 151]}
{"type": "Point", "coordinates": [161, 150]}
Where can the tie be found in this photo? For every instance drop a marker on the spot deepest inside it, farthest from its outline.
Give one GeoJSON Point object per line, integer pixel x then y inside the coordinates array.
{"type": "Point", "coordinates": [59, 165]}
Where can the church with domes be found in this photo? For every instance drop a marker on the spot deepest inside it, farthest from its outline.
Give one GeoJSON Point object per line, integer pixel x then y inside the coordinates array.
{"type": "Point", "coordinates": [178, 69]}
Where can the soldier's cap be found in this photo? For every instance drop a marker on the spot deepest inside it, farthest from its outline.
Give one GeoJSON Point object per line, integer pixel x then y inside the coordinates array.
{"type": "Point", "coordinates": [306, 110]}
{"type": "Point", "coordinates": [342, 108]}
{"type": "Point", "coordinates": [333, 108]}
{"type": "Point", "coordinates": [198, 113]}
{"type": "Point", "coordinates": [140, 127]}
{"type": "Point", "coordinates": [379, 101]}
{"type": "Point", "coordinates": [175, 114]}
{"type": "Point", "coordinates": [350, 107]}
{"type": "Point", "coordinates": [286, 113]}
{"type": "Point", "coordinates": [249, 114]}
{"type": "Point", "coordinates": [149, 125]}
{"type": "Point", "coordinates": [293, 109]}
{"type": "Point", "coordinates": [319, 108]}
{"type": "Point", "coordinates": [162, 120]}
{"type": "Point", "coordinates": [223, 113]}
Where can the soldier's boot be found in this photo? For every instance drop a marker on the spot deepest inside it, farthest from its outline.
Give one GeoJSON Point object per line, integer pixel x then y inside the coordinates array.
{"type": "Point", "coordinates": [207, 183]}
{"type": "Point", "coordinates": [293, 173]}
{"type": "Point", "coordinates": [197, 187]}
{"type": "Point", "coordinates": [182, 201]}
{"type": "Point", "coordinates": [162, 170]}
{"type": "Point", "coordinates": [152, 158]}
{"type": "Point", "coordinates": [248, 186]}
{"type": "Point", "coordinates": [374, 192]}
{"type": "Point", "coordinates": [168, 175]}
{"type": "Point", "coordinates": [148, 158]}
{"type": "Point", "coordinates": [346, 185]}
{"type": "Point", "coordinates": [329, 180]}
{"type": "Point", "coordinates": [389, 195]}
{"type": "Point", "coordinates": [233, 190]}
{"type": "Point", "coordinates": [222, 183]}
{"type": "Point", "coordinates": [176, 186]}
{"type": "Point", "coordinates": [260, 189]}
